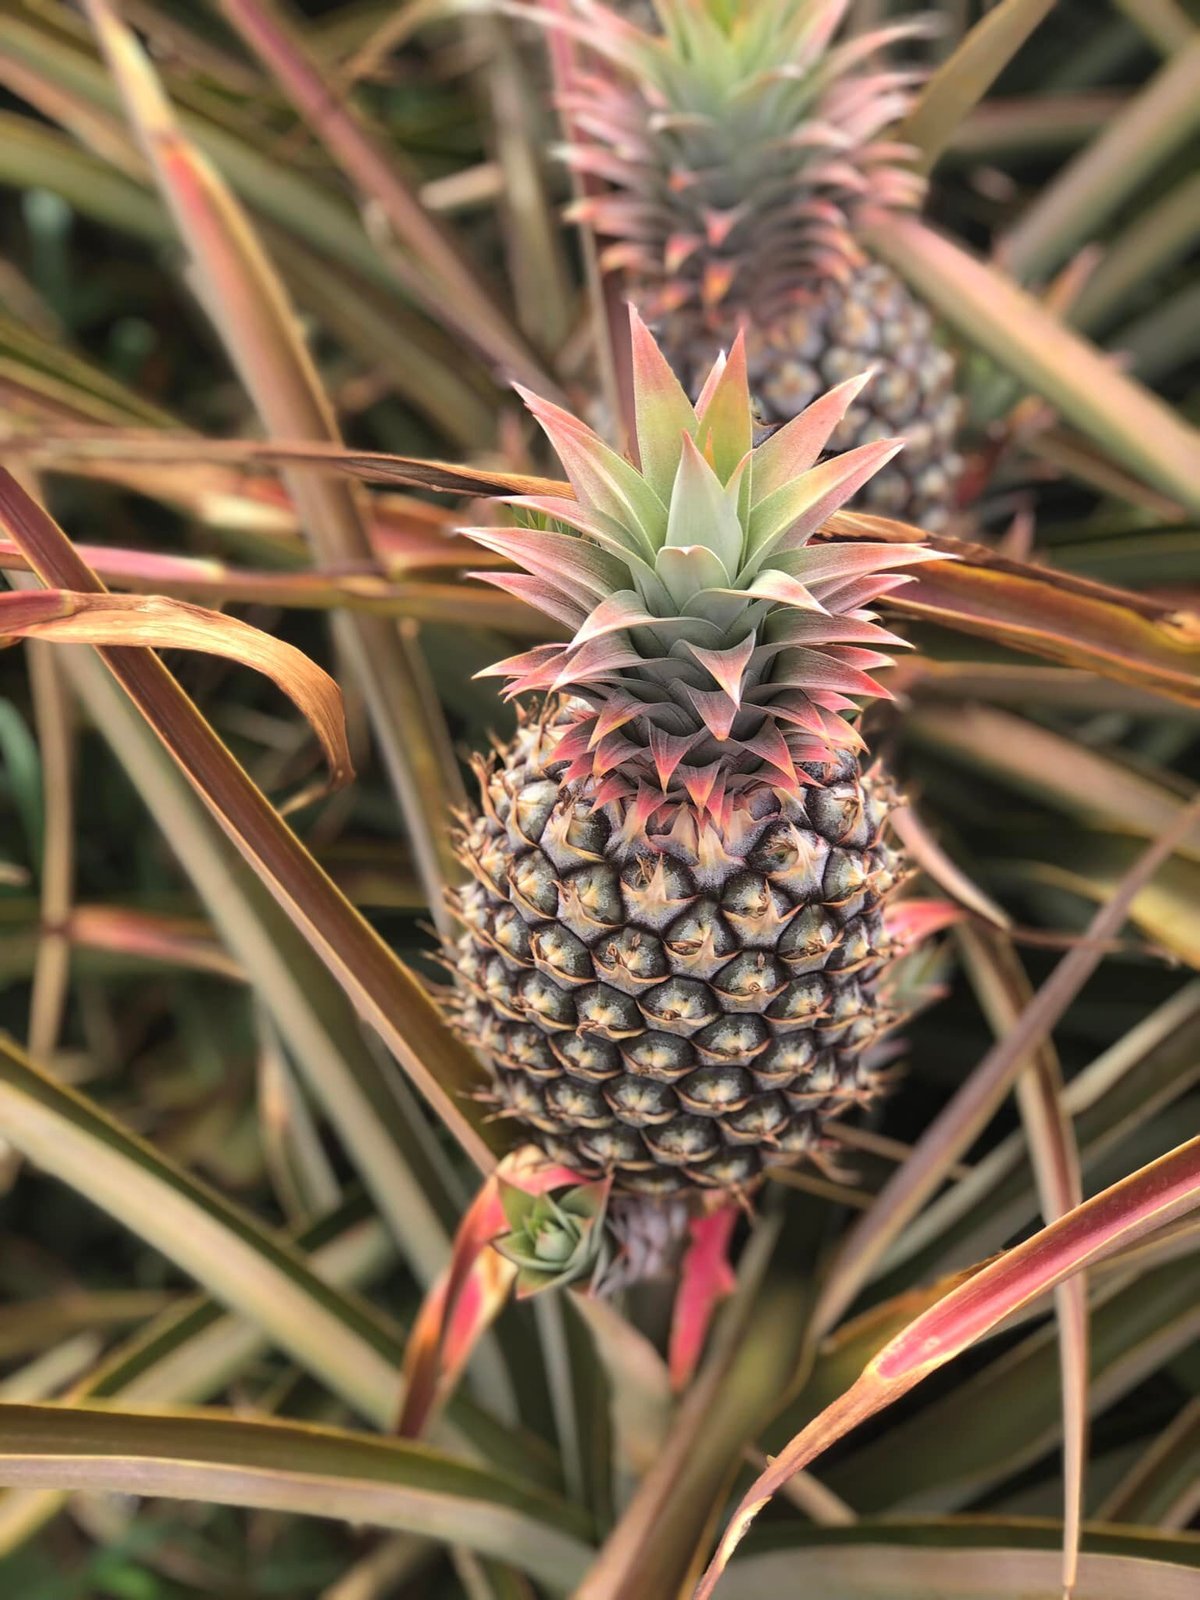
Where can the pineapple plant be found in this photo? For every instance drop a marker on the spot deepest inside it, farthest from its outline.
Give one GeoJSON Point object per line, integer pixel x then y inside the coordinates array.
{"type": "Point", "coordinates": [736, 156]}
{"type": "Point", "coordinates": [674, 949]}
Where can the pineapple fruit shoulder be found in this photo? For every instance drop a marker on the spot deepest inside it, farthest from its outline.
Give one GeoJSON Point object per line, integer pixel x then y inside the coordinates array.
{"type": "Point", "coordinates": [738, 156]}
{"type": "Point", "coordinates": [674, 933]}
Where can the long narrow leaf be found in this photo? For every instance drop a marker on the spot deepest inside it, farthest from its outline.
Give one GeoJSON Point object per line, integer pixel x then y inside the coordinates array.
{"type": "Point", "coordinates": [990, 311]}
{"type": "Point", "coordinates": [1136, 1206]}
{"type": "Point", "coordinates": [247, 303]}
{"type": "Point", "coordinates": [292, 1467]}
{"type": "Point", "coordinates": [966, 76]}
{"type": "Point", "coordinates": [1004, 991]}
{"type": "Point", "coordinates": [1070, 210]}
{"type": "Point", "coordinates": [1130, 637]}
{"type": "Point", "coordinates": [983, 1560]}
{"type": "Point", "coordinates": [239, 1261]}
{"type": "Point", "coordinates": [951, 1132]}
{"type": "Point", "coordinates": [365, 1098]}
{"type": "Point", "coordinates": [157, 623]}
{"type": "Point", "coordinates": [447, 282]}
{"type": "Point", "coordinates": [381, 988]}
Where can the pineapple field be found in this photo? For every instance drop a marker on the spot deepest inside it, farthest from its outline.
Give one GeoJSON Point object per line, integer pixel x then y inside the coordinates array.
{"type": "Point", "coordinates": [600, 915]}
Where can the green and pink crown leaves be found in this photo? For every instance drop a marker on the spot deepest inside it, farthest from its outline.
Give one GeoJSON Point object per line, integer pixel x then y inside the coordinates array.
{"type": "Point", "coordinates": [735, 154]}
{"type": "Point", "coordinates": [713, 645]}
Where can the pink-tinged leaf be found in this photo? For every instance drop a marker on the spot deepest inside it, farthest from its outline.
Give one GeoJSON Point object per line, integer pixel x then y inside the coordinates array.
{"type": "Point", "coordinates": [1150, 1199]}
{"type": "Point", "coordinates": [679, 248]}
{"type": "Point", "coordinates": [823, 564]}
{"type": "Point", "coordinates": [700, 783]}
{"type": "Point", "coordinates": [933, 861]}
{"type": "Point", "coordinates": [663, 411]}
{"type": "Point", "coordinates": [909, 922]}
{"type": "Point", "coordinates": [578, 740]}
{"type": "Point", "coordinates": [574, 565]}
{"type": "Point", "coordinates": [710, 383]}
{"type": "Point", "coordinates": [716, 280]}
{"type": "Point", "coordinates": [717, 711]}
{"type": "Point", "coordinates": [612, 752]}
{"type": "Point", "coordinates": [785, 591]}
{"type": "Point", "coordinates": [667, 751]}
{"type": "Point", "coordinates": [860, 592]}
{"type": "Point", "coordinates": [705, 1279]}
{"type": "Point", "coordinates": [791, 515]}
{"type": "Point", "coordinates": [726, 432]}
{"type": "Point", "coordinates": [565, 508]}
{"type": "Point", "coordinates": [152, 936]}
{"type": "Point", "coordinates": [599, 658]}
{"type": "Point", "coordinates": [537, 593]}
{"type": "Point", "coordinates": [471, 1292]}
{"type": "Point", "coordinates": [619, 611]}
{"type": "Point", "coordinates": [969, 1110]}
{"type": "Point", "coordinates": [728, 667]}
{"type": "Point", "coordinates": [798, 445]}
{"type": "Point", "coordinates": [618, 709]}
{"type": "Point", "coordinates": [770, 744]}
{"type": "Point", "coordinates": [805, 628]}
{"type": "Point", "coordinates": [818, 669]}
{"type": "Point", "coordinates": [603, 480]}
{"type": "Point", "coordinates": [542, 655]}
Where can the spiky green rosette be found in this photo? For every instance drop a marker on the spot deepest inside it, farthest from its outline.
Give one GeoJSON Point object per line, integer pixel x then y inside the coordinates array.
{"type": "Point", "coordinates": [674, 949]}
{"type": "Point", "coordinates": [741, 152]}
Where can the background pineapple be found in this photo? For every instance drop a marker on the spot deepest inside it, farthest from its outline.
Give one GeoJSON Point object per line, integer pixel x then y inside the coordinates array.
{"type": "Point", "coordinates": [741, 153]}
{"type": "Point", "coordinates": [674, 937]}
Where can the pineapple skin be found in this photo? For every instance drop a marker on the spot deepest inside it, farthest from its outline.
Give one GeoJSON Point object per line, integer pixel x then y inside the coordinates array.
{"type": "Point", "coordinates": [832, 332]}
{"type": "Point", "coordinates": [685, 1010]}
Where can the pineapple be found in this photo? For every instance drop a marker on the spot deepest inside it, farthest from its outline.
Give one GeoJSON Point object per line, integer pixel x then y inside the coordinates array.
{"type": "Point", "coordinates": [738, 156]}
{"type": "Point", "coordinates": [674, 936]}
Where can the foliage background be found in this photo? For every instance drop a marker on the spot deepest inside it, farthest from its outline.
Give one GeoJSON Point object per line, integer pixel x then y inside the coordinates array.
{"type": "Point", "coordinates": [132, 942]}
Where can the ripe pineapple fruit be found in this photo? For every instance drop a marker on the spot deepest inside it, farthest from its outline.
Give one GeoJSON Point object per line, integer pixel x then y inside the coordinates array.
{"type": "Point", "coordinates": [674, 938]}
{"type": "Point", "coordinates": [741, 152]}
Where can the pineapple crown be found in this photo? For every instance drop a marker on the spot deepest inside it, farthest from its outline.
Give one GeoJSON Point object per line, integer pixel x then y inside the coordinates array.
{"type": "Point", "coordinates": [714, 649]}
{"type": "Point", "coordinates": [739, 150]}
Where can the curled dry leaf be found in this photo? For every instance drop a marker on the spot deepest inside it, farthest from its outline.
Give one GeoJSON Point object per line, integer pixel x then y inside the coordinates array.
{"type": "Point", "coordinates": [154, 622]}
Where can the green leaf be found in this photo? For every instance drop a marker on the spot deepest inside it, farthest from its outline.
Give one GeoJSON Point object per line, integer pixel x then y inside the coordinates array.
{"type": "Point", "coordinates": [1076, 778]}
{"type": "Point", "coordinates": [987, 1560]}
{"type": "Point", "coordinates": [1014, 1401]}
{"type": "Point", "coordinates": [295, 1468]}
{"type": "Point", "coordinates": [1071, 209]}
{"type": "Point", "coordinates": [704, 512]}
{"type": "Point", "coordinates": [21, 766]}
{"type": "Point", "coordinates": [242, 1263]}
{"type": "Point", "coordinates": [381, 988]}
{"type": "Point", "coordinates": [248, 305]}
{"type": "Point", "coordinates": [1025, 339]}
{"type": "Point", "coordinates": [966, 76]}
{"type": "Point", "coordinates": [368, 1103]}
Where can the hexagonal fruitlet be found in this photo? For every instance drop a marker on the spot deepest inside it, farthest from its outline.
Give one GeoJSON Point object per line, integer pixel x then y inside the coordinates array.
{"type": "Point", "coordinates": [554, 1240]}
